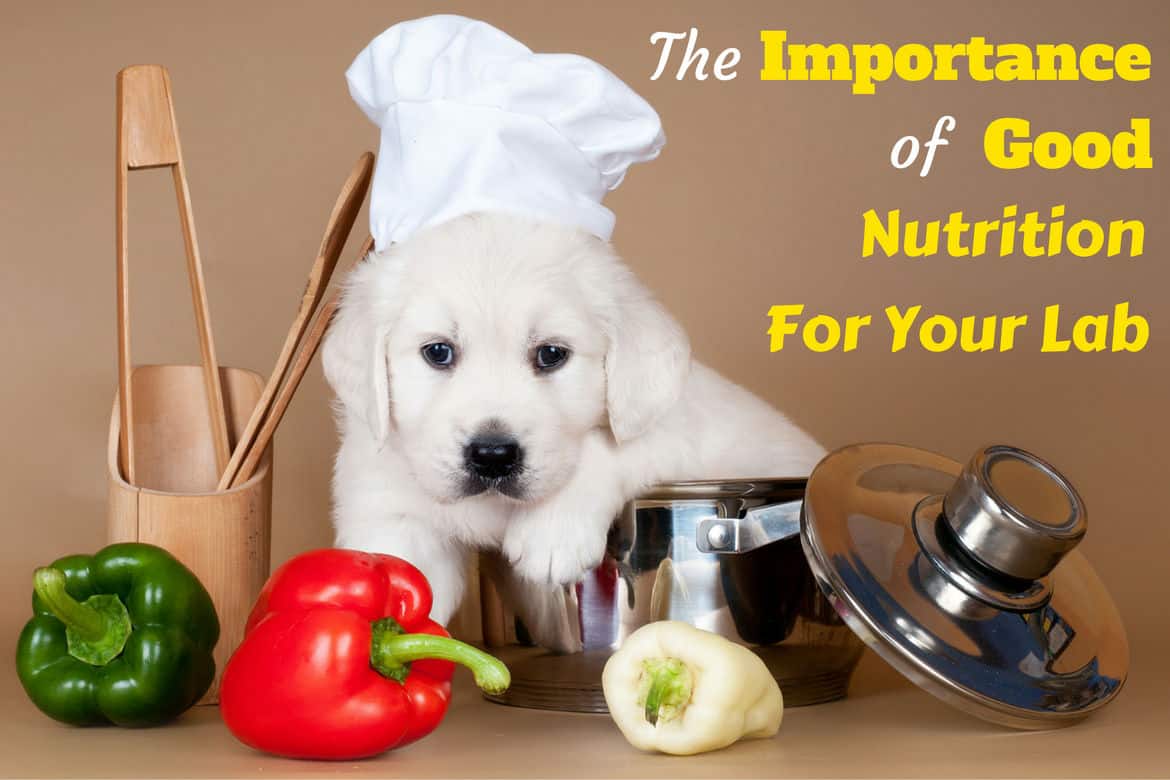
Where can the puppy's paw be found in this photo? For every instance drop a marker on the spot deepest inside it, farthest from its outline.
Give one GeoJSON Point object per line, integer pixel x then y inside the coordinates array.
{"type": "Point", "coordinates": [547, 549]}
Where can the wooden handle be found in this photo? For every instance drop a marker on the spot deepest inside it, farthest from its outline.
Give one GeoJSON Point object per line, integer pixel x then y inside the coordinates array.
{"type": "Point", "coordinates": [148, 137]}
{"type": "Point", "coordinates": [308, 349]}
{"type": "Point", "coordinates": [345, 210]}
{"type": "Point", "coordinates": [125, 398]}
{"type": "Point", "coordinates": [280, 405]}
{"type": "Point", "coordinates": [365, 249]}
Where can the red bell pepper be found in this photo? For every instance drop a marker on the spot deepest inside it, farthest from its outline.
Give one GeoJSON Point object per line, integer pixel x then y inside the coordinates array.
{"type": "Point", "coordinates": [341, 661]}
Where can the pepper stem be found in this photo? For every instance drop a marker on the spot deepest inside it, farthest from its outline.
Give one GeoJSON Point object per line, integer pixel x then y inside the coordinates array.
{"type": "Point", "coordinates": [665, 689]}
{"type": "Point", "coordinates": [96, 630]}
{"type": "Point", "coordinates": [391, 652]}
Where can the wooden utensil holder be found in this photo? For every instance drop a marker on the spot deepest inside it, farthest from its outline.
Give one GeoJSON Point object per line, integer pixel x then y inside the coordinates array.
{"type": "Point", "coordinates": [224, 537]}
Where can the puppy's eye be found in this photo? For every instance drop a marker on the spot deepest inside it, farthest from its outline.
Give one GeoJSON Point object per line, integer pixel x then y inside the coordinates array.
{"type": "Point", "coordinates": [439, 354]}
{"type": "Point", "coordinates": [549, 356]}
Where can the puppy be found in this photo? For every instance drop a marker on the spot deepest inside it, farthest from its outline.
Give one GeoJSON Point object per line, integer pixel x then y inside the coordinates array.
{"type": "Point", "coordinates": [508, 384]}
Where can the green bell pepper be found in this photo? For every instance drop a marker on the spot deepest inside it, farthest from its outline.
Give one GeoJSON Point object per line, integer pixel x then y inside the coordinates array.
{"type": "Point", "coordinates": [124, 636]}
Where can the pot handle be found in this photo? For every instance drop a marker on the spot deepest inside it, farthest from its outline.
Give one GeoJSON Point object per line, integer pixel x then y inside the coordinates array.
{"type": "Point", "coordinates": [759, 526]}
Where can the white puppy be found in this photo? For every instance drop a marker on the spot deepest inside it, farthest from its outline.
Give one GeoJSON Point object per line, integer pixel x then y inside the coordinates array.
{"type": "Point", "coordinates": [508, 384]}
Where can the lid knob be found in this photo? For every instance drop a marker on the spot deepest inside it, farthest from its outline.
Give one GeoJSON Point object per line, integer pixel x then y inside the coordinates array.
{"type": "Point", "coordinates": [1014, 512]}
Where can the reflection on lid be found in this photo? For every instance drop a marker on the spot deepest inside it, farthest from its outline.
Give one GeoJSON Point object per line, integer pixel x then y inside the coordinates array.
{"type": "Point", "coordinates": [877, 543]}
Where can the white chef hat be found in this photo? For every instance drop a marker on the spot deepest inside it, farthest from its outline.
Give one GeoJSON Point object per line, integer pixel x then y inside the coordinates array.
{"type": "Point", "coordinates": [472, 120]}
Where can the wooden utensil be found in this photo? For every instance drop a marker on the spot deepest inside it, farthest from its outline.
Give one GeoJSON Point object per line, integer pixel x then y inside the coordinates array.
{"type": "Point", "coordinates": [148, 137]}
{"type": "Point", "coordinates": [223, 537]}
{"type": "Point", "coordinates": [345, 210]}
{"type": "Point", "coordinates": [304, 358]}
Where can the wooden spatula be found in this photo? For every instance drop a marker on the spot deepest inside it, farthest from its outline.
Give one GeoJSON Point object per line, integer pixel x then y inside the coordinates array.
{"type": "Point", "coordinates": [296, 373]}
{"type": "Point", "coordinates": [148, 137]}
{"type": "Point", "coordinates": [345, 210]}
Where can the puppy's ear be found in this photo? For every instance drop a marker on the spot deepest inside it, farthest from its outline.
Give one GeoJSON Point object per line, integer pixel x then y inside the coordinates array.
{"type": "Point", "coordinates": [354, 355]}
{"type": "Point", "coordinates": [648, 358]}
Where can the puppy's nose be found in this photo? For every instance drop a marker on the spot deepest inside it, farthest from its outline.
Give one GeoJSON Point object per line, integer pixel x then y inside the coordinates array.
{"type": "Point", "coordinates": [493, 456]}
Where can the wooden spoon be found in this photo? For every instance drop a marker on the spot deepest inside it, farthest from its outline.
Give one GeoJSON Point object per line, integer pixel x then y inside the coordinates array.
{"type": "Point", "coordinates": [304, 358]}
{"type": "Point", "coordinates": [345, 210]}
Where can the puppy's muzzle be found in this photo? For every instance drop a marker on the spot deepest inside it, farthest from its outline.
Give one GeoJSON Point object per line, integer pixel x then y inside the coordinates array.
{"type": "Point", "coordinates": [493, 457]}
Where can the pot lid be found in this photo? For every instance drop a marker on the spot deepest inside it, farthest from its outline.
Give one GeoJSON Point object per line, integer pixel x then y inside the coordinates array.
{"type": "Point", "coordinates": [964, 578]}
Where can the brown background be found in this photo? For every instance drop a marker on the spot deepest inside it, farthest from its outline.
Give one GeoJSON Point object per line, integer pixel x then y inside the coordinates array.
{"type": "Point", "coordinates": [755, 201]}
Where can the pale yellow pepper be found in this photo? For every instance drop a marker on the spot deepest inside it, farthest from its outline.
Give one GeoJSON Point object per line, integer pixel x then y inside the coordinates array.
{"type": "Point", "coordinates": [678, 689]}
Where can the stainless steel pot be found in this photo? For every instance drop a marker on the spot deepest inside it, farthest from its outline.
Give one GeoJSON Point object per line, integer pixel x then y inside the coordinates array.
{"type": "Point", "coordinates": [962, 577]}
{"type": "Point", "coordinates": [722, 555]}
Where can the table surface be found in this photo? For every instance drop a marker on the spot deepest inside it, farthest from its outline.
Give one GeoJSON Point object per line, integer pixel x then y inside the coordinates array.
{"type": "Point", "coordinates": [885, 728]}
